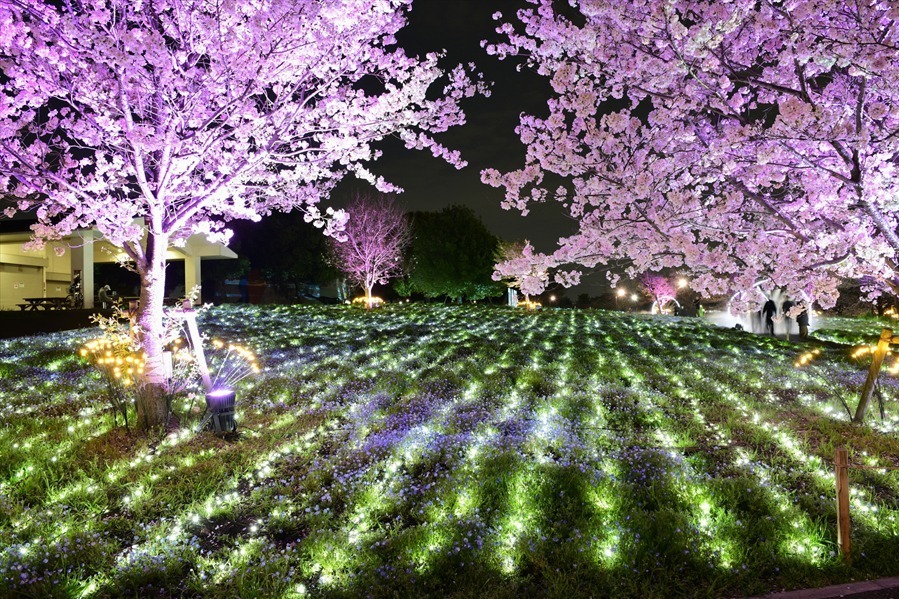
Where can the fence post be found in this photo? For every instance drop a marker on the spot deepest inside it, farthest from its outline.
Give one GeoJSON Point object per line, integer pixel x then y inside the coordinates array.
{"type": "Point", "coordinates": [883, 344]}
{"type": "Point", "coordinates": [841, 461]}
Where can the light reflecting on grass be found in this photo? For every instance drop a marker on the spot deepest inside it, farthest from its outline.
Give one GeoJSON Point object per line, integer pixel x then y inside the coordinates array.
{"type": "Point", "coordinates": [478, 451]}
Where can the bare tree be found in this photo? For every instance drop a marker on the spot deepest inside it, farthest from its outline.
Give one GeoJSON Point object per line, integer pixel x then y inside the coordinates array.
{"type": "Point", "coordinates": [376, 235]}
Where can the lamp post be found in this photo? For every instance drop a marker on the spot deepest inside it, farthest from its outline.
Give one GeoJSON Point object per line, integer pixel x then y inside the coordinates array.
{"type": "Point", "coordinates": [635, 298]}
{"type": "Point", "coordinates": [620, 293]}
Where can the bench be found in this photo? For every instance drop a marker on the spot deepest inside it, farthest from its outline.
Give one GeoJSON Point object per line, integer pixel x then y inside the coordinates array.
{"type": "Point", "coordinates": [23, 307]}
{"type": "Point", "coordinates": [45, 303]}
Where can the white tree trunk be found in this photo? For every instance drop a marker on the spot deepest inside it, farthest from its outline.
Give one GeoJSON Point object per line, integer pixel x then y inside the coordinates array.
{"type": "Point", "coordinates": [151, 405]}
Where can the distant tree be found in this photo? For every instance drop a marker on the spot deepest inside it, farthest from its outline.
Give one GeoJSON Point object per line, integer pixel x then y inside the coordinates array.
{"type": "Point", "coordinates": [402, 286]}
{"type": "Point", "coordinates": [289, 251]}
{"type": "Point", "coordinates": [517, 266]}
{"type": "Point", "coordinates": [451, 255]}
{"type": "Point", "coordinates": [377, 233]}
{"type": "Point", "coordinates": [660, 288]}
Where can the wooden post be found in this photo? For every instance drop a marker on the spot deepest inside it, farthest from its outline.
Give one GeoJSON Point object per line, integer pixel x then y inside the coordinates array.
{"type": "Point", "coordinates": [883, 344]}
{"type": "Point", "coordinates": [841, 461]}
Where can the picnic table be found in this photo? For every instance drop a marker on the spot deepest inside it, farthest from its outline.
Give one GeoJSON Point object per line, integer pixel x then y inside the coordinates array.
{"type": "Point", "coordinates": [44, 303]}
{"type": "Point", "coordinates": [127, 299]}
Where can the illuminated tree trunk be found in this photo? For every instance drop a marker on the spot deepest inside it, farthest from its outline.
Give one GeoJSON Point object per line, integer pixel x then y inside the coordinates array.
{"type": "Point", "coordinates": [375, 237]}
{"type": "Point", "coordinates": [152, 407]}
{"type": "Point", "coordinates": [178, 113]}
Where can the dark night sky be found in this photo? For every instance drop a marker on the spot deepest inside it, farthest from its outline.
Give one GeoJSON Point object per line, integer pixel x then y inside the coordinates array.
{"type": "Point", "coordinates": [487, 140]}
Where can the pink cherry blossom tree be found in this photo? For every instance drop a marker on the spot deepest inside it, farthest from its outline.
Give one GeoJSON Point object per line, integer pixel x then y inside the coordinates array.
{"type": "Point", "coordinates": [517, 266]}
{"type": "Point", "coordinates": [152, 120]}
{"type": "Point", "coordinates": [659, 287]}
{"type": "Point", "coordinates": [375, 236]}
{"type": "Point", "coordinates": [741, 141]}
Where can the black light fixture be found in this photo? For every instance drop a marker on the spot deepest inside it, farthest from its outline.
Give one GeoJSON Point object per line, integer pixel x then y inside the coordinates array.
{"type": "Point", "coordinates": [220, 411]}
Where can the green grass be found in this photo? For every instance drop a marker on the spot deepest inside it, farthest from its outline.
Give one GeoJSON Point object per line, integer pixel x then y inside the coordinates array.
{"type": "Point", "coordinates": [462, 452]}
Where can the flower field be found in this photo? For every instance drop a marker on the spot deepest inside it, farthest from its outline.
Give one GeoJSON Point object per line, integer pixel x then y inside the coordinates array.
{"type": "Point", "coordinates": [464, 451]}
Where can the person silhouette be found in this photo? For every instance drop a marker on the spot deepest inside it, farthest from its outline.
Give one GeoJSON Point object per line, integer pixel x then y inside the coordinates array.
{"type": "Point", "coordinates": [105, 296]}
{"type": "Point", "coordinates": [802, 321]}
{"type": "Point", "coordinates": [768, 311]}
{"type": "Point", "coordinates": [75, 297]}
{"type": "Point", "coordinates": [785, 308]}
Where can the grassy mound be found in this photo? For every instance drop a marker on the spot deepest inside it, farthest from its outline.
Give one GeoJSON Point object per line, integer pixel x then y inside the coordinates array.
{"type": "Point", "coordinates": [464, 452]}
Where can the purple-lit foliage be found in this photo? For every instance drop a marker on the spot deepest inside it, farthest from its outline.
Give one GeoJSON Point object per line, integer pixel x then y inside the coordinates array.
{"type": "Point", "coordinates": [516, 265]}
{"type": "Point", "coordinates": [153, 121]}
{"type": "Point", "coordinates": [659, 287]}
{"type": "Point", "coordinates": [370, 251]}
{"type": "Point", "coordinates": [741, 141]}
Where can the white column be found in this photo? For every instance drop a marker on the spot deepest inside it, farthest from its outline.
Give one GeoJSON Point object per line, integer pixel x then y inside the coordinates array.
{"type": "Point", "coordinates": [512, 297]}
{"type": "Point", "coordinates": [192, 274]}
{"type": "Point", "coordinates": [87, 268]}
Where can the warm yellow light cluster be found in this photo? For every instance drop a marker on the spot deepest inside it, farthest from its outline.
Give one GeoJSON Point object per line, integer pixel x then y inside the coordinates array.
{"type": "Point", "coordinates": [181, 353]}
{"type": "Point", "coordinates": [529, 304]}
{"type": "Point", "coordinates": [863, 351]}
{"type": "Point", "coordinates": [119, 363]}
{"type": "Point", "coordinates": [807, 357]}
{"type": "Point", "coordinates": [374, 301]}
{"type": "Point", "coordinates": [241, 351]}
